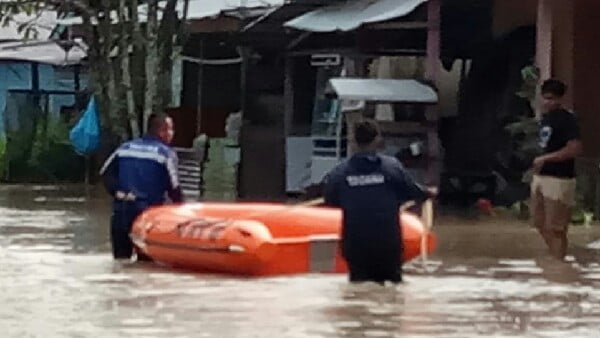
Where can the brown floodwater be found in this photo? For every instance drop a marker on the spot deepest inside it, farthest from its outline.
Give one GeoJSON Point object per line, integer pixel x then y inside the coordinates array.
{"type": "Point", "coordinates": [489, 277]}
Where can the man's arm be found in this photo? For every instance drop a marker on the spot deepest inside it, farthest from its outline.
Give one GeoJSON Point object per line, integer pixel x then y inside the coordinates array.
{"type": "Point", "coordinates": [110, 173]}
{"type": "Point", "coordinates": [571, 150]}
{"type": "Point", "coordinates": [409, 189]}
{"type": "Point", "coordinates": [176, 195]}
{"type": "Point", "coordinates": [174, 189]}
{"type": "Point", "coordinates": [330, 191]}
{"type": "Point", "coordinates": [418, 192]}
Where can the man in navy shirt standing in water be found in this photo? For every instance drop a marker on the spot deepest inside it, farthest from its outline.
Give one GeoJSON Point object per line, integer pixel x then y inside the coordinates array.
{"type": "Point", "coordinates": [370, 188]}
{"type": "Point", "coordinates": [138, 175]}
{"type": "Point", "coordinates": [553, 184]}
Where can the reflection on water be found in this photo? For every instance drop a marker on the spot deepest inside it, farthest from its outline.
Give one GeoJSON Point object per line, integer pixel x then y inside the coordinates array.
{"type": "Point", "coordinates": [58, 280]}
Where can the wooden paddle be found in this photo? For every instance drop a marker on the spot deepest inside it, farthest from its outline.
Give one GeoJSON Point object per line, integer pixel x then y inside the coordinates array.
{"type": "Point", "coordinates": [311, 203]}
{"type": "Point", "coordinates": [427, 218]}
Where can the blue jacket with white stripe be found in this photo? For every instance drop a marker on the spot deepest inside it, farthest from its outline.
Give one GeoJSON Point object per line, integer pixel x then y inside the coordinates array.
{"type": "Point", "coordinates": [144, 167]}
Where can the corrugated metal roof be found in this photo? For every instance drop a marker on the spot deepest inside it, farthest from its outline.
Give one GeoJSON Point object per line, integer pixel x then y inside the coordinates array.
{"type": "Point", "coordinates": [43, 52]}
{"type": "Point", "coordinates": [383, 90]}
{"type": "Point", "coordinates": [352, 14]}
{"type": "Point", "coordinates": [210, 8]}
{"type": "Point", "coordinates": [198, 9]}
{"type": "Point", "coordinates": [42, 24]}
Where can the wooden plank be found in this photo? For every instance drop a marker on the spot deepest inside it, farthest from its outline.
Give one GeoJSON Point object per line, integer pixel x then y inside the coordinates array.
{"type": "Point", "coordinates": [388, 127]}
{"type": "Point", "coordinates": [219, 24]}
{"type": "Point", "coordinates": [399, 25]}
{"type": "Point", "coordinates": [190, 169]}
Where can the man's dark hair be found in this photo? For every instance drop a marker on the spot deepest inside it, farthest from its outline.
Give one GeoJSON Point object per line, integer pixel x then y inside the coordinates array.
{"type": "Point", "coordinates": [155, 120]}
{"type": "Point", "coordinates": [554, 87]}
{"type": "Point", "coordinates": [365, 132]}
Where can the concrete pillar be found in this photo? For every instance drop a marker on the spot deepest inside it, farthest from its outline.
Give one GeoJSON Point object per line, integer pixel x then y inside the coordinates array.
{"type": "Point", "coordinates": [562, 51]}
{"type": "Point", "coordinates": [586, 73]}
{"type": "Point", "coordinates": [555, 30]}
{"type": "Point", "coordinates": [568, 49]}
{"type": "Point", "coordinates": [544, 38]}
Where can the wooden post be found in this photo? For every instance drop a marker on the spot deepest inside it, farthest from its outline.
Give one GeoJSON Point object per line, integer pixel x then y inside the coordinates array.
{"type": "Point", "coordinates": [355, 68]}
{"type": "Point", "coordinates": [77, 81]}
{"type": "Point", "coordinates": [288, 112]}
{"type": "Point", "coordinates": [243, 105]}
{"type": "Point", "coordinates": [596, 192]}
{"type": "Point", "coordinates": [432, 70]}
{"type": "Point", "coordinates": [288, 96]}
{"type": "Point", "coordinates": [35, 82]}
{"type": "Point", "coordinates": [199, 93]}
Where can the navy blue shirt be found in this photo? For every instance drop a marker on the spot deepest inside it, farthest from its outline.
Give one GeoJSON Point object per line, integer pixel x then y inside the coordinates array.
{"type": "Point", "coordinates": [370, 188]}
{"type": "Point", "coordinates": [557, 128]}
{"type": "Point", "coordinates": [145, 167]}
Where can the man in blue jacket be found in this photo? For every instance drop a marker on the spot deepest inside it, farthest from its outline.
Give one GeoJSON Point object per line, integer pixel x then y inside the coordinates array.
{"type": "Point", "coordinates": [370, 188]}
{"type": "Point", "coordinates": [138, 175]}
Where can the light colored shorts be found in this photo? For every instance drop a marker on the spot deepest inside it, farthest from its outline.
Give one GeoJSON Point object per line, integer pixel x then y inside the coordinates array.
{"type": "Point", "coordinates": [552, 201]}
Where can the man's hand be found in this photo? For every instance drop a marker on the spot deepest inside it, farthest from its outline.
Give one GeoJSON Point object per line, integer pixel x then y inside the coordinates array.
{"type": "Point", "coordinates": [432, 192]}
{"type": "Point", "coordinates": [538, 163]}
{"type": "Point", "coordinates": [570, 151]}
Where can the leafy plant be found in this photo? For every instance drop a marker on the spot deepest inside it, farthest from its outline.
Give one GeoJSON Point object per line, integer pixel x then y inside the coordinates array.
{"type": "Point", "coordinates": [51, 150]}
{"type": "Point", "coordinates": [524, 131]}
{"type": "Point", "coordinates": [530, 76]}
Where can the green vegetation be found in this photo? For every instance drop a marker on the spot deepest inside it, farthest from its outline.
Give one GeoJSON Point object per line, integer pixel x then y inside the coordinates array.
{"type": "Point", "coordinates": [47, 157]}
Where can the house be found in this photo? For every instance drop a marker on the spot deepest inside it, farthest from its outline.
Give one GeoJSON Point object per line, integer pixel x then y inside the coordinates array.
{"type": "Point", "coordinates": [286, 64]}
{"type": "Point", "coordinates": [483, 46]}
{"type": "Point", "coordinates": [273, 60]}
{"type": "Point", "coordinates": [41, 79]}
{"type": "Point", "coordinates": [282, 138]}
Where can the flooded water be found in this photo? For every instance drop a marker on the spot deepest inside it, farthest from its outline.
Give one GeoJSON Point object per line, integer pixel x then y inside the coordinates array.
{"type": "Point", "coordinates": [486, 278]}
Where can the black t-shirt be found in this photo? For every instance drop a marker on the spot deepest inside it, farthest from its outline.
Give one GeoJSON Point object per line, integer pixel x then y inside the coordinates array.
{"type": "Point", "coordinates": [557, 128]}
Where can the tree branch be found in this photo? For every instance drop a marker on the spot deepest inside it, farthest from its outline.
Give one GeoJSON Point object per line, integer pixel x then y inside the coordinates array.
{"type": "Point", "coordinates": [183, 31]}
{"type": "Point", "coordinates": [151, 60]}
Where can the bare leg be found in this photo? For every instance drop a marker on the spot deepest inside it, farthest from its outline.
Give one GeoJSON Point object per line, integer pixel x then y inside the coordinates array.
{"type": "Point", "coordinates": [559, 244]}
{"type": "Point", "coordinates": [558, 227]}
{"type": "Point", "coordinates": [547, 236]}
{"type": "Point", "coordinates": [540, 217]}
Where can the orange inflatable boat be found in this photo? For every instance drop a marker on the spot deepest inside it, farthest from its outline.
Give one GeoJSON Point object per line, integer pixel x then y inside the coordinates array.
{"type": "Point", "coordinates": [253, 239]}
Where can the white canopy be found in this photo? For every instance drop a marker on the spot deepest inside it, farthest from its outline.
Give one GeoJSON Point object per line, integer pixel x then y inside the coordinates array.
{"type": "Point", "coordinates": [42, 25]}
{"type": "Point", "coordinates": [198, 9]}
{"type": "Point", "coordinates": [383, 90]}
{"type": "Point", "coordinates": [352, 14]}
{"type": "Point", "coordinates": [41, 51]}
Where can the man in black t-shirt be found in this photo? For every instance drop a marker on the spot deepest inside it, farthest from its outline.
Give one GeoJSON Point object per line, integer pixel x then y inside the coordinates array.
{"type": "Point", "coordinates": [553, 185]}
